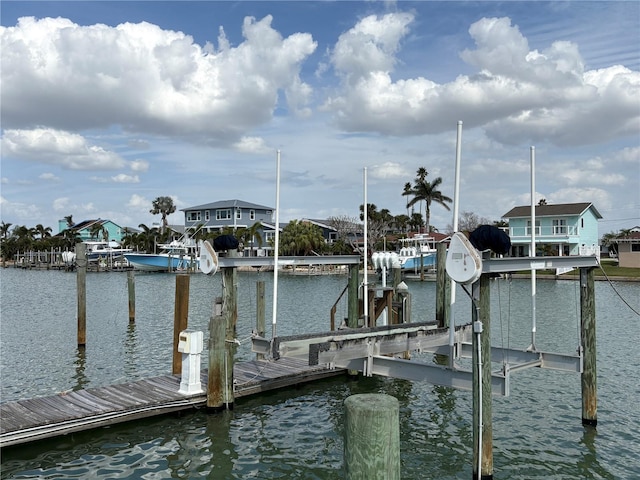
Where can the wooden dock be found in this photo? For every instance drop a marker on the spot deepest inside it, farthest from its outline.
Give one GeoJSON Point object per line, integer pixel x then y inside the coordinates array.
{"type": "Point", "coordinates": [34, 419]}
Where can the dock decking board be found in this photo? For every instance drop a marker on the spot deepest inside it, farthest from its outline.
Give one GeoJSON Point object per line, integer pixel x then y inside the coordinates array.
{"type": "Point", "coordinates": [34, 419]}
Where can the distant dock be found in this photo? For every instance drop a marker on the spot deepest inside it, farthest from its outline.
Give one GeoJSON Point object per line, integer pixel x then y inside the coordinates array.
{"type": "Point", "coordinates": [35, 419]}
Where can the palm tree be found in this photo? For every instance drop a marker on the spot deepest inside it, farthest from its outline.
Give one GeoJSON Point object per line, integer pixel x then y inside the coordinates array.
{"type": "Point", "coordinates": [250, 235]}
{"type": "Point", "coordinates": [4, 234]}
{"type": "Point", "coordinates": [98, 230]}
{"type": "Point", "coordinates": [165, 207]}
{"type": "Point", "coordinates": [300, 238]}
{"type": "Point", "coordinates": [426, 191]}
{"type": "Point", "coordinates": [44, 232]}
{"type": "Point", "coordinates": [69, 220]}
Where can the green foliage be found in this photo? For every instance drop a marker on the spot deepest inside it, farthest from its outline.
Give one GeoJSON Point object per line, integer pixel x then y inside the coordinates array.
{"type": "Point", "coordinates": [163, 206]}
{"type": "Point", "coordinates": [300, 238]}
{"type": "Point", "coordinates": [427, 192]}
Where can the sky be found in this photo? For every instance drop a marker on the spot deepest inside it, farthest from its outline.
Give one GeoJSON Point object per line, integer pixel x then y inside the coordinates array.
{"type": "Point", "coordinates": [106, 106]}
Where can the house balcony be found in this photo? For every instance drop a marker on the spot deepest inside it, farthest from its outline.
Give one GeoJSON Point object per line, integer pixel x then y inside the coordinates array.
{"type": "Point", "coordinates": [545, 234]}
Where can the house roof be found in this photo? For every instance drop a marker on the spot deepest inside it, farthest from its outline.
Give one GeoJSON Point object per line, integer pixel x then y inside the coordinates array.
{"type": "Point", "coordinates": [227, 204]}
{"type": "Point", "coordinates": [633, 237]}
{"type": "Point", "coordinates": [320, 223]}
{"type": "Point", "coordinates": [552, 210]}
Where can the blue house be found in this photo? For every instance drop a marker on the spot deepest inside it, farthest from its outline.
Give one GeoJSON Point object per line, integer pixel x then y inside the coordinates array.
{"type": "Point", "coordinates": [108, 230]}
{"type": "Point", "coordinates": [234, 214]}
{"type": "Point", "coordinates": [560, 230]}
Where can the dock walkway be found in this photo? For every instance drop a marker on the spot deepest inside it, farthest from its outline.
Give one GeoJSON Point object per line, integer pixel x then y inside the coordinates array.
{"type": "Point", "coordinates": [34, 419]}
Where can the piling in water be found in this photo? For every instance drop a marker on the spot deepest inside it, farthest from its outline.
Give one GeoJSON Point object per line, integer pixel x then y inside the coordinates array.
{"type": "Point", "coordinates": [372, 437]}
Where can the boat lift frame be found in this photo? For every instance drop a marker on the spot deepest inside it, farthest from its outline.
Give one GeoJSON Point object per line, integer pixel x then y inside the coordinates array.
{"type": "Point", "coordinates": [374, 351]}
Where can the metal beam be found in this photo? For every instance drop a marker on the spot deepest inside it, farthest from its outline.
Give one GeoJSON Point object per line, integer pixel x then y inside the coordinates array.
{"type": "Point", "coordinates": [515, 264]}
{"type": "Point", "coordinates": [517, 358]}
{"type": "Point", "coordinates": [289, 261]}
{"type": "Point", "coordinates": [298, 346]}
{"type": "Point", "coordinates": [422, 372]}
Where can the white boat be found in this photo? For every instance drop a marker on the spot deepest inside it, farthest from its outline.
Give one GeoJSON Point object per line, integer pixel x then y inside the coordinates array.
{"type": "Point", "coordinates": [174, 256]}
{"type": "Point", "coordinates": [409, 257]}
{"type": "Point", "coordinates": [106, 252]}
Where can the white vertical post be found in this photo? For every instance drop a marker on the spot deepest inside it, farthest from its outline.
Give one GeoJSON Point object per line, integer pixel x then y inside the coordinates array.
{"type": "Point", "coordinates": [456, 201]}
{"type": "Point", "coordinates": [533, 248]}
{"type": "Point", "coordinates": [276, 249]}
{"type": "Point", "coordinates": [365, 293]}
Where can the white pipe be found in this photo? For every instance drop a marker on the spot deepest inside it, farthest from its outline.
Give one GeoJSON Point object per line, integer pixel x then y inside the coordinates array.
{"type": "Point", "coordinates": [276, 249]}
{"type": "Point", "coordinates": [365, 294]}
{"type": "Point", "coordinates": [456, 198]}
{"type": "Point", "coordinates": [533, 247]}
{"type": "Point", "coordinates": [480, 423]}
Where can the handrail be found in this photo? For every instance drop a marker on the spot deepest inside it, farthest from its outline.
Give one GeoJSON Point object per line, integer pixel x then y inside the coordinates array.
{"type": "Point", "coordinates": [335, 307]}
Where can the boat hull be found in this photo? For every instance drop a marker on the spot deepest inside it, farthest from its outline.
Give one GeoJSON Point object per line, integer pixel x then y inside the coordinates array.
{"type": "Point", "coordinates": [157, 262]}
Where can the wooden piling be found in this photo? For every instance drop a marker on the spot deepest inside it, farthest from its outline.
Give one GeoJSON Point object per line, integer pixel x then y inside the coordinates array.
{"type": "Point", "coordinates": [260, 313]}
{"type": "Point", "coordinates": [131, 288]}
{"type": "Point", "coordinates": [81, 282]}
{"type": "Point", "coordinates": [217, 358]}
{"type": "Point", "coordinates": [588, 336]}
{"type": "Point", "coordinates": [372, 437]}
{"type": "Point", "coordinates": [443, 287]}
{"type": "Point", "coordinates": [481, 312]}
{"type": "Point", "coordinates": [352, 296]}
{"type": "Point", "coordinates": [230, 314]}
{"type": "Point", "coordinates": [180, 318]}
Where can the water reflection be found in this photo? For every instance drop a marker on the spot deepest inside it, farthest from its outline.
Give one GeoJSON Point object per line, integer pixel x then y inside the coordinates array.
{"type": "Point", "coordinates": [80, 365]}
{"type": "Point", "coordinates": [589, 466]}
{"type": "Point", "coordinates": [131, 351]}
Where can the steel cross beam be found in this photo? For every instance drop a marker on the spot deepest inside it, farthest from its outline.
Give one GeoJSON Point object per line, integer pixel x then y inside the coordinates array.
{"type": "Point", "coordinates": [419, 372]}
{"type": "Point", "coordinates": [519, 359]}
{"type": "Point", "coordinates": [402, 336]}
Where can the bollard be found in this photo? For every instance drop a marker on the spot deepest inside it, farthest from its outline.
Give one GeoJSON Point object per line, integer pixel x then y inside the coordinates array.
{"type": "Point", "coordinates": [372, 437]}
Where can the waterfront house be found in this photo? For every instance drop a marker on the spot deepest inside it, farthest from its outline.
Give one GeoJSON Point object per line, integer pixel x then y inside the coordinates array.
{"type": "Point", "coordinates": [628, 246]}
{"type": "Point", "coordinates": [329, 233]}
{"type": "Point", "coordinates": [88, 229]}
{"type": "Point", "coordinates": [560, 230]}
{"type": "Point", "coordinates": [233, 214]}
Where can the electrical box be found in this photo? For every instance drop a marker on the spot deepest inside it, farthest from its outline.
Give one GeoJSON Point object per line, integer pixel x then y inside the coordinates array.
{"type": "Point", "coordinates": [190, 341]}
{"type": "Point", "coordinates": [464, 264]}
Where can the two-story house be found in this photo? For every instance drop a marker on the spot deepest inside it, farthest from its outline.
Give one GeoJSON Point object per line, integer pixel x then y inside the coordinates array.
{"type": "Point", "coordinates": [94, 230]}
{"type": "Point", "coordinates": [234, 214]}
{"type": "Point", "coordinates": [560, 230]}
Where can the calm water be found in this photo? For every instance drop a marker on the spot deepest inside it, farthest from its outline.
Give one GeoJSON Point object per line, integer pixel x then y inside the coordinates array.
{"type": "Point", "coordinates": [297, 434]}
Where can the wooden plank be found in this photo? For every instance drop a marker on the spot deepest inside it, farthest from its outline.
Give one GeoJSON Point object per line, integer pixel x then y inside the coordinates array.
{"type": "Point", "coordinates": [33, 419]}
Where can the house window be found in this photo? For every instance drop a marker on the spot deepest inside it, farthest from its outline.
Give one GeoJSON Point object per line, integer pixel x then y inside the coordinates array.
{"type": "Point", "coordinates": [529, 227]}
{"type": "Point", "coordinates": [269, 237]}
{"type": "Point", "coordinates": [193, 216]}
{"type": "Point", "coordinates": [635, 247]}
{"type": "Point", "coordinates": [223, 214]}
{"type": "Point", "coordinates": [238, 213]}
{"type": "Point", "coordinates": [582, 223]}
{"type": "Point", "coordinates": [252, 214]}
{"type": "Point", "coordinates": [560, 226]}
{"type": "Point", "coordinates": [207, 215]}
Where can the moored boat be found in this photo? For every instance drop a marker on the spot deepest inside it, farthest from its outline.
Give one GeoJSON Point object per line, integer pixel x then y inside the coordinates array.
{"type": "Point", "coordinates": [172, 257]}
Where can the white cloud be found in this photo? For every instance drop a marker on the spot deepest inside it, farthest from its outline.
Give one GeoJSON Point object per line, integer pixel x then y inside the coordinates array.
{"type": "Point", "coordinates": [49, 177]}
{"type": "Point", "coordinates": [252, 145]}
{"type": "Point", "coordinates": [56, 147]}
{"type": "Point", "coordinates": [389, 170]}
{"type": "Point", "coordinates": [600, 198]}
{"type": "Point", "coordinates": [518, 95]}
{"type": "Point", "coordinates": [139, 165]}
{"type": "Point", "coordinates": [138, 201]}
{"type": "Point", "coordinates": [219, 94]}
{"type": "Point", "coordinates": [60, 204]}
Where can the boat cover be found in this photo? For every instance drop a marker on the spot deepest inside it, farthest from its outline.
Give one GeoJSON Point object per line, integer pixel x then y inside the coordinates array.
{"type": "Point", "coordinates": [488, 237]}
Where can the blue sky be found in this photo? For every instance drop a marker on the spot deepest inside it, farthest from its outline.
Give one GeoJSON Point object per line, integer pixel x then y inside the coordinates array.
{"type": "Point", "coordinates": [108, 105]}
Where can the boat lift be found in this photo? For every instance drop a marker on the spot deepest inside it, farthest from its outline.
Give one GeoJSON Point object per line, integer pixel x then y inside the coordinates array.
{"type": "Point", "coordinates": [375, 351]}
